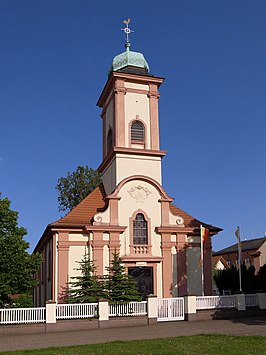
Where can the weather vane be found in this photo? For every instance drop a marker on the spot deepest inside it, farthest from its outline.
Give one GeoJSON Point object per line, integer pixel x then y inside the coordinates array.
{"type": "Point", "coordinates": [127, 30]}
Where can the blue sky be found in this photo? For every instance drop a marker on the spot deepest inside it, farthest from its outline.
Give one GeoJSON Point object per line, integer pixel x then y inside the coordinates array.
{"type": "Point", "coordinates": [54, 61]}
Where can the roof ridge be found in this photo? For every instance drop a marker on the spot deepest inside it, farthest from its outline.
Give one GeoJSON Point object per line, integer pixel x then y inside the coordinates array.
{"type": "Point", "coordinates": [249, 242]}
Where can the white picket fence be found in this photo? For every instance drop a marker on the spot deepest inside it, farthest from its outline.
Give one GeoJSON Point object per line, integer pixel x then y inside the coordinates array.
{"type": "Point", "coordinates": [251, 300]}
{"type": "Point", "coordinates": [215, 302]}
{"type": "Point", "coordinates": [78, 310]}
{"type": "Point", "coordinates": [128, 309]}
{"type": "Point", "coordinates": [167, 309]}
{"type": "Point", "coordinates": [22, 315]}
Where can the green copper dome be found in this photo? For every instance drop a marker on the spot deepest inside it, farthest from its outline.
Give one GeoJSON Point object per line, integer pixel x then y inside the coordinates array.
{"type": "Point", "coordinates": [129, 58]}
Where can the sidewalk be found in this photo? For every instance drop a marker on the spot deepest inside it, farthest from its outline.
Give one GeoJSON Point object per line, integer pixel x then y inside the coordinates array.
{"type": "Point", "coordinates": [247, 326]}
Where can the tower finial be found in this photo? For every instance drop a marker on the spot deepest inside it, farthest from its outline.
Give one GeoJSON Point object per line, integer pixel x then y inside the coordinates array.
{"type": "Point", "coordinates": [127, 31]}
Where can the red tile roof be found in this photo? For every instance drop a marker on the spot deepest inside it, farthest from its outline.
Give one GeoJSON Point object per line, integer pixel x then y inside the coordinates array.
{"type": "Point", "coordinates": [83, 213]}
{"type": "Point", "coordinates": [95, 202]}
{"type": "Point", "coordinates": [190, 221]}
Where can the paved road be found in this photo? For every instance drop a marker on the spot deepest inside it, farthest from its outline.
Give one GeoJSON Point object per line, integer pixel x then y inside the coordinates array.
{"type": "Point", "coordinates": [247, 326]}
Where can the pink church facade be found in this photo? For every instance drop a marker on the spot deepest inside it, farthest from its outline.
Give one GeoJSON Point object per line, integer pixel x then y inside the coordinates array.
{"type": "Point", "coordinates": [130, 212]}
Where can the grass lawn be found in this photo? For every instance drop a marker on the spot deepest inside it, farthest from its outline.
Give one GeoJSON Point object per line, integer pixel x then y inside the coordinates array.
{"type": "Point", "coordinates": [197, 344]}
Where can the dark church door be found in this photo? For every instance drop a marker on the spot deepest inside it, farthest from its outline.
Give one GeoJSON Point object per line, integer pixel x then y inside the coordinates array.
{"type": "Point", "coordinates": [144, 279]}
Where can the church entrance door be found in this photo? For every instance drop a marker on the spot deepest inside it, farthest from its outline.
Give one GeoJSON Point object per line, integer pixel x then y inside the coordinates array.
{"type": "Point", "coordinates": [144, 279]}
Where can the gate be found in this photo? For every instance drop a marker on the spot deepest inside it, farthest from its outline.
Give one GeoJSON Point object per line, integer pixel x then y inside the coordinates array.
{"type": "Point", "coordinates": [170, 309]}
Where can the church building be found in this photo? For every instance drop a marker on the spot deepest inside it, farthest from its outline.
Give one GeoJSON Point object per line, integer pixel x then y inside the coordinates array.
{"type": "Point", "coordinates": [130, 212]}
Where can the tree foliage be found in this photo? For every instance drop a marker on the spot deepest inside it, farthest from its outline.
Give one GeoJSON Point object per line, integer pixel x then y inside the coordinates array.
{"type": "Point", "coordinates": [17, 266]}
{"type": "Point", "coordinates": [76, 186]}
{"type": "Point", "coordinates": [261, 279]}
{"type": "Point", "coordinates": [87, 287]}
{"type": "Point", "coordinates": [228, 279]}
{"type": "Point", "coordinates": [22, 301]}
{"type": "Point", "coordinates": [117, 286]}
{"type": "Point", "coordinates": [120, 286]}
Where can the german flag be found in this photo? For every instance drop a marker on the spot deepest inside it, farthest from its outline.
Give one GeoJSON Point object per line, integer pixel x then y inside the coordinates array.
{"type": "Point", "coordinates": [204, 232]}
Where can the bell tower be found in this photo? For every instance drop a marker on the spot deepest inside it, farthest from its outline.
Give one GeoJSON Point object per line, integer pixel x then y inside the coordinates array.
{"type": "Point", "coordinates": [130, 128]}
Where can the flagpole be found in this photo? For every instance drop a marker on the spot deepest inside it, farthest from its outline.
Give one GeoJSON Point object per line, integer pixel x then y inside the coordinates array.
{"type": "Point", "coordinates": [237, 233]}
{"type": "Point", "coordinates": [202, 261]}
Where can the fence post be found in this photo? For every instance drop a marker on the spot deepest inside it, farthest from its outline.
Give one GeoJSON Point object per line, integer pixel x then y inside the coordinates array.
{"type": "Point", "coordinates": [190, 307]}
{"type": "Point", "coordinates": [103, 313]}
{"type": "Point", "coordinates": [261, 300]}
{"type": "Point", "coordinates": [152, 309]}
{"type": "Point", "coordinates": [50, 312]}
{"type": "Point", "coordinates": [240, 302]}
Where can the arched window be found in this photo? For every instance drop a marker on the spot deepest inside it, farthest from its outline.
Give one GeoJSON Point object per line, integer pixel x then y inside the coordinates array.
{"type": "Point", "coordinates": [137, 131]}
{"type": "Point", "coordinates": [140, 230]}
{"type": "Point", "coordinates": [109, 140]}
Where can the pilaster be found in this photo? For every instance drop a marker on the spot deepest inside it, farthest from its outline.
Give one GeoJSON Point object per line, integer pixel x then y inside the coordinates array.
{"type": "Point", "coordinates": [165, 210]}
{"type": "Point", "coordinates": [97, 245]}
{"type": "Point", "coordinates": [119, 128]}
{"type": "Point", "coordinates": [167, 264]}
{"type": "Point", "coordinates": [154, 118]}
{"type": "Point", "coordinates": [181, 264]}
{"type": "Point", "coordinates": [63, 259]}
{"type": "Point", "coordinates": [54, 269]}
{"type": "Point", "coordinates": [207, 267]}
{"type": "Point", "coordinates": [114, 244]}
{"type": "Point", "coordinates": [113, 203]}
{"type": "Point", "coordinates": [104, 134]}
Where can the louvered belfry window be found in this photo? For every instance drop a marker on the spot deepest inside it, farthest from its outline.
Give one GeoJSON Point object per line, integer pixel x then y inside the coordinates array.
{"type": "Point", "coordinates": [140, 230]}
{"type": "Point", "coordinates": [137, 131]}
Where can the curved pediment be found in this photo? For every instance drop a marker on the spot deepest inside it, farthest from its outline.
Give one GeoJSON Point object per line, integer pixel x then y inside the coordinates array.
{"type": "Point", "coordinates": [139, 191]}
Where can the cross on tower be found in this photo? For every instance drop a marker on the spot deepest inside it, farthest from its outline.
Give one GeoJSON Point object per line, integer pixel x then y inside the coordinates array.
{"type": "Point", "coordinates": [127, 30]}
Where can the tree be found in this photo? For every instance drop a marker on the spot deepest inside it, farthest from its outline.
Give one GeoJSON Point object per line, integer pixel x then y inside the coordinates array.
{"type": "Point", "coordinates": [248, 279]}
{"type": "Point", "coordinates": [76, 186]}
{"type": "Point", "coordinates": [228, 279]}
{"type": "Point", "coordinates": [17, 266]}
{"type": "Point", "coordinates": [261, 279]}
{"type": "Point", "coordinates": [22, 301]}
{"type": "Point", "coordinates": [120, 286]}
{"type": "Point", "coordinates": [87, 287]}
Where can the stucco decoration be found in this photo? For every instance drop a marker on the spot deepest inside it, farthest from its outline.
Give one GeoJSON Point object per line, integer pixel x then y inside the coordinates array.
{"type": "Point", "coordinates": [139, 193]}
{"type": "Point", "coordinates": [179, 221]}
{"type": "Point", "coordinates": [97, 218]}
{"type": "Point", "coordinates": [102, 217]}
{"type": "Point", "coordinates": [174, 219]}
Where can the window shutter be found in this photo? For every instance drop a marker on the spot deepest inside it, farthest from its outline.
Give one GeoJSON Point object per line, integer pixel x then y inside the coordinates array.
{"type": "Point", "coordinates": [137, 131]}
